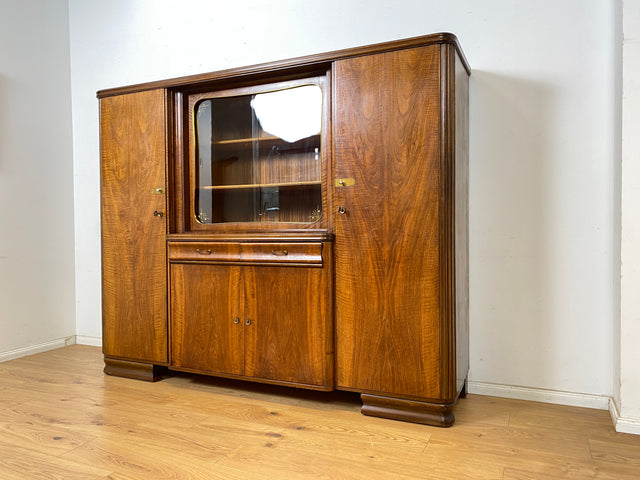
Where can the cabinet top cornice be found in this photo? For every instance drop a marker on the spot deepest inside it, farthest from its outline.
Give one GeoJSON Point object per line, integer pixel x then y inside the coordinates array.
{"type": "Point", "coordinates": [301, 64]}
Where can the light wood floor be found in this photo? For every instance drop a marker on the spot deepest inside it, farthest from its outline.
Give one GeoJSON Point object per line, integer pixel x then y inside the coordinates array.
{"type": "Point", "coordinates": [61, 418]}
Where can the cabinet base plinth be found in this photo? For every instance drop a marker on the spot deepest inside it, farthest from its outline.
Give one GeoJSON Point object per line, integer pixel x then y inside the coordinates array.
{"type": "Point", "coordinates": [436, 414]}
{"type": "Point", "coordinates": [135, 370]}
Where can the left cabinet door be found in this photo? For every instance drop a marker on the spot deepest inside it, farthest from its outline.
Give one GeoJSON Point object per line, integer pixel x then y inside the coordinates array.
{"type": "Point", "coordinates": [134, 227]}
{"type": "Point", "coordinates": [206, 318]}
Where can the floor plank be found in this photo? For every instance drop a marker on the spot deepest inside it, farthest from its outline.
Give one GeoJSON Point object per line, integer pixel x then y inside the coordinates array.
{"type": "Point", "coordinates": [61, 417]}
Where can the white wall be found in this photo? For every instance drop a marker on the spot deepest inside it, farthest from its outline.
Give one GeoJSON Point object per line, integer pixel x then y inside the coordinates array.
{"type": "Point", "coordinates": [629, 393]}
{"type": "Point", "coordinates": [542, 142]}
{"type": "Point", "coordinates": [37, 304]}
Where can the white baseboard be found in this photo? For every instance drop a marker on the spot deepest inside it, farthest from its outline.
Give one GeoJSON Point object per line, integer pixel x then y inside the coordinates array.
{"type": "Point", "coordinates": [623, 424]}
{"type": "Point", "coordinates": [86, 340]}
{"type": "Point", "coordinates": [42, 347]}
{"type": "Point", "coordinates": [600, 402]}
{"type": "Point", "coordinates": [52, 345]}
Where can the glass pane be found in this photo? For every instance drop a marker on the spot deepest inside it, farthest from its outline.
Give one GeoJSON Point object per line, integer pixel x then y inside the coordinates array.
{"type": "Point", "coordinates": [258, 157]}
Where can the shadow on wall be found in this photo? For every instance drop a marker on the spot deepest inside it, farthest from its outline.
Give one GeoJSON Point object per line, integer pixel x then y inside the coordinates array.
{"type": "Point", "coordinates": [512, 190]}
{"type": "Point", "coordinates": [4, 137]}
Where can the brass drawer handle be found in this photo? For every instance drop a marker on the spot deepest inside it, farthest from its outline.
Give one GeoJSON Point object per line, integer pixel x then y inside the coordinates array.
{"type": "Point", "coordinates": [203, 252]}
{"type": "Point", "coordinates": [279, 253]}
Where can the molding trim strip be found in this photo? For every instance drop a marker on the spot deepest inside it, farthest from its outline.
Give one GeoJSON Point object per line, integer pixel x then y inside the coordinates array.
{"type": "Point", "coordinates": [86, 340]}
{"type": "Point", "coordinates": [622, 424]}
{"type": "Point", "coordinates": [601, 402]}
{"type": "Point", "coordinates": [42, 347]}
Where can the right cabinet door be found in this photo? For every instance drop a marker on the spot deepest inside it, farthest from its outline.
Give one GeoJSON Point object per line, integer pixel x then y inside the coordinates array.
{"type": "Point", "coordinates": [386, 138]}
{"type": "Point", "coordinates": [290, 338]}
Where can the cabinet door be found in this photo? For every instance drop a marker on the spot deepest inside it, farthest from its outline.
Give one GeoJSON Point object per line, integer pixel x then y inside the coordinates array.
{"type": "Point", "coordinates": [206, 320]}
{"type": "Point", "coordinates": [290, 338]}
{"type": "Point", "coordinates": [386, 124]}
{"type": "Point", "coordinates": [134, 298]}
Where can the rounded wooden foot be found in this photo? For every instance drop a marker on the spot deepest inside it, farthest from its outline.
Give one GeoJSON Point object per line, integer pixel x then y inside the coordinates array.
{"type": "Point", "coordinates": [135, 370]}
{"type": "Point", "coordinates": [439, 415]}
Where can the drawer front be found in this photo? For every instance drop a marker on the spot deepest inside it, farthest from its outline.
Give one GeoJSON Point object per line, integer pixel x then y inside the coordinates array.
{"type": "Point", "coordinates": [246, 253]}
{"type": "Point", "coordinates": [298, 253]}
{"type": "Point", "coordinates": [204, 251]}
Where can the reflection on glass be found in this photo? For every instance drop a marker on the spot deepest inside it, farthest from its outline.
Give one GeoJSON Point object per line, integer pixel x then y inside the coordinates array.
{"type": "Point", "coordinates": [291, 114]}
{"type": "Point", "coordinates": [258, 157]}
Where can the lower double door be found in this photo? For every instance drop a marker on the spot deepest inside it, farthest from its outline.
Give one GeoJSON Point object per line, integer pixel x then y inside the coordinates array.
{"type": "Point", "coordinates": [269, 323]}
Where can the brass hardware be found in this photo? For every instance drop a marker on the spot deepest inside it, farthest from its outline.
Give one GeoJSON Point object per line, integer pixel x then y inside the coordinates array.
{"type": "Point", "coordinates": [342, 210]}
{"type": "Point", "coordinates": [202, 217]}
{"type": "Point", "coordinates": [203, 252]}
{"type": "Point", "coordinates": [279, 253]}
{"type": "Point", "coordinates": [158, 214]}
{"type": "Point", "coordinates": [157, 191]}
{"type": "Point", "coordinates": [345, 182]}
{"type": "Point", "coordinates": [247, 321]}
{"type": "Point", "coordinates": [236, 320]}
{"type": "Point", "coordinates": [316, 213]}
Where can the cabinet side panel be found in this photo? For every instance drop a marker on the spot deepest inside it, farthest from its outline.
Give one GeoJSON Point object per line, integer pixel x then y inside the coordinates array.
{"type": "Point", "coordinates": [134, 280]}
{"type": "Point", "coordinates": [386, 137]}
{"type": "Point", "coordinates": [462, 221]}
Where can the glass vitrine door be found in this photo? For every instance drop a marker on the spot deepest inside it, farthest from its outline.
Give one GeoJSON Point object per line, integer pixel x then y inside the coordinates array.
{"type": "Point", "coordinates": [257, 155]}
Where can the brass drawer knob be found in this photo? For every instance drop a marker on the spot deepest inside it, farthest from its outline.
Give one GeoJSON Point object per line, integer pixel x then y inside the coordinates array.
{"type": "Point", "coordinates": [342, 210]}
{"type": "Point", "coordinates": [236, 320]}
{"type": "Point", "coordinates": [247, 321]}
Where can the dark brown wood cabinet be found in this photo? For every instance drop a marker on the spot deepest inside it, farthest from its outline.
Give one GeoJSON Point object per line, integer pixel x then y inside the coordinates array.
{"type": "Point", "coordinates": [314, 227]}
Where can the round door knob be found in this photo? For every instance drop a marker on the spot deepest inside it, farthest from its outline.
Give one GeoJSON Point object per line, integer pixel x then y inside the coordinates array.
{"type": "Point", "coordinates": [342, 210]}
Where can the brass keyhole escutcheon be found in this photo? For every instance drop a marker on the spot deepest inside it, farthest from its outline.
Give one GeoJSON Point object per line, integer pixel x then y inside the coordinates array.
{"type": "Point", "coordinates": [342, 210]}
{"type": "Point", "coordinates": [247, 321]}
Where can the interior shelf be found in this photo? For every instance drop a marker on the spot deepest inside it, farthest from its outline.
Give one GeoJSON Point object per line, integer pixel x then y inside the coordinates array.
{"type": "Point", "coordinates": [234, 141]}
{"type": "Point", "coordinates": [262, 185]}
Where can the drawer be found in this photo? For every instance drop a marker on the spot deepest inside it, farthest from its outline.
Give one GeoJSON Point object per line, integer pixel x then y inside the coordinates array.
{"type": "Point", "coordinates": [298, 253]}
{"type": "Point", "coordinates": [246, 253]}
{"type": "Point", "coordinates": [204, 251]}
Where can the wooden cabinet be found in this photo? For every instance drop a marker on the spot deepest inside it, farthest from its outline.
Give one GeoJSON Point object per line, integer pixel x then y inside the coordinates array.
{"type": "Point", "coordinates": [316, 226]}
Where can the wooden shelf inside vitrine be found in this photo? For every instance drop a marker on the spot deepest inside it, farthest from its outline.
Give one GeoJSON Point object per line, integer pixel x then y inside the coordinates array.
{"type": "Point", "coordinates": [233, 141]}
{"type": "Point", "coordinates": [270, 138]}
{"type": "Point", "coordinates": [262, 185]}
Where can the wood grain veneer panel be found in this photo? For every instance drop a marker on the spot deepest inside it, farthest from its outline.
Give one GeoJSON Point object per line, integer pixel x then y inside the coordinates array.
{"type": "Point", "coordinates": [291, 335]}
{"type": "Point", "coordinates": [134, 285]}
{"type": "Point", "coordinates": [205, 301]}
{"type": "Point", "coordinates": [386, 136]}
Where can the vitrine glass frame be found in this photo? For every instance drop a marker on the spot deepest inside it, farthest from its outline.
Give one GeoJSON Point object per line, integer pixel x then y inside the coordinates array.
{"type": "Point", "coordinates": [196, 224]}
